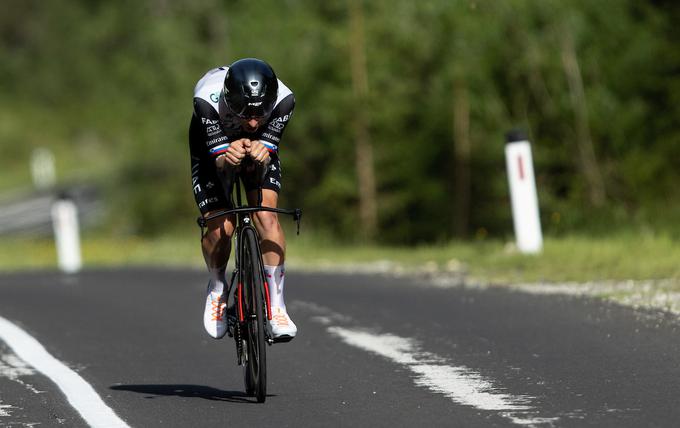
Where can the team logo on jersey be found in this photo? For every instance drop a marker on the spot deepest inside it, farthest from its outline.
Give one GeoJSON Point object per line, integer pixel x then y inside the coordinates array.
{"type": "Point", "coordinates": [276, 125]}
{"type": "Point", "coordinates": [214, 97]}
{"type": "Point", "coordinates": [280, 122]}
{"type": "Point", "coordinates": [212, 130]}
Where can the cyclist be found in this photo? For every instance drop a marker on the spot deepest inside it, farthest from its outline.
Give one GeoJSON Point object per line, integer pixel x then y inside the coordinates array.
{"type": "Point", "coordinates": [240, 113]}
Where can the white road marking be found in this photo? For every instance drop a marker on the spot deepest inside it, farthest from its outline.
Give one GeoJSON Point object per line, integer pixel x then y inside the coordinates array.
{"type": "Point", "coordinates": [4, 409]}
{"type": "Point", "coordinates": [14, 368]}
{"type": "Point", "coordinates": [461, 384]}
{"type": "Point", "coordinates": [79, 393]}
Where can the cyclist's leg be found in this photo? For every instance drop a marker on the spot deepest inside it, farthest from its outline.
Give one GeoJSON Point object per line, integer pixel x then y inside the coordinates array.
{"type": "Point", "coordinates": [273, 245]}
{"type": "Point", "coordinates": [215, 243]}
{"type": "Point", "coordinates": [216, 246]}
{"type": "Point", "coordinates": [216, 240]}
{"type": "Point", "coordinates": [272, 239]}
{"type": "Point", "coordinates": [209, 192]}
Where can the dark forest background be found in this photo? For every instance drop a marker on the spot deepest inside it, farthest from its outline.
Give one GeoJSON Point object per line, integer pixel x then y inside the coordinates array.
{"type": "Point", "coordinates": [402, 108]}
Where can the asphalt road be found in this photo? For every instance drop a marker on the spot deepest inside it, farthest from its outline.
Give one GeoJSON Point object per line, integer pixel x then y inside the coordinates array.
{"type": "Point", "coordinates": [371, 351]}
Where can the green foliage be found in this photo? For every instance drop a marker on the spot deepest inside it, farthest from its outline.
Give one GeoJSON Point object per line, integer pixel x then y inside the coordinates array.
{"type": "Point", "coordinates": [108, 86]}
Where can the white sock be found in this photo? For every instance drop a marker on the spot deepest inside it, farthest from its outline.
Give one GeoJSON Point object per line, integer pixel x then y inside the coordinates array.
{"type": "Point", "coordinates": [275, 276]}
{"type": "Point", "coordinates": [217, 279]}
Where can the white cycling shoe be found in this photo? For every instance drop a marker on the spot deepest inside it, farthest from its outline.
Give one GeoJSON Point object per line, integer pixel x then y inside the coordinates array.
{"type": "Point", "coordinates": [215, 315]}
{"type": "Point", "coordinates": [283, 328]}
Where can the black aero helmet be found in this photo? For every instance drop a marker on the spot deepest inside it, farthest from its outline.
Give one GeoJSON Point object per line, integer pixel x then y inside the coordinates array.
{"type": "Point", "coordinates": [250, 88]}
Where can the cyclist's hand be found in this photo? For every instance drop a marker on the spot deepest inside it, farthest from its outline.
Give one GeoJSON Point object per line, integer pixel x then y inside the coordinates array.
{"type": "Point", "coordinates": [258, 152]}
{"type": "Point", "coordinates": [236, 152]}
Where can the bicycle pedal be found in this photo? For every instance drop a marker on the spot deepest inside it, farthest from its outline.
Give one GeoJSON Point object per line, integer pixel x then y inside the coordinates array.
{"type": "Point", "coordinates": [283, 339]}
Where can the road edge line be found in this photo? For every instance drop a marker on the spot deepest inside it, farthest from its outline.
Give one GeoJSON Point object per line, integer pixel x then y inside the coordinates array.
{"type": "Point", "coordinates": [80, 394]}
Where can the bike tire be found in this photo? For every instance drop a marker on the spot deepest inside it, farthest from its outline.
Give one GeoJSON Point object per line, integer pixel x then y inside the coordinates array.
{"type": "Point", "coordinates": [256, 368]}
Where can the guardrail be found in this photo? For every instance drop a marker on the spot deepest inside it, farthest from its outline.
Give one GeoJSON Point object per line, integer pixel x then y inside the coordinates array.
{"type": "Point", "coordinates": [58, 213]}
{"type": "Point", "coordinates": [29, 213]}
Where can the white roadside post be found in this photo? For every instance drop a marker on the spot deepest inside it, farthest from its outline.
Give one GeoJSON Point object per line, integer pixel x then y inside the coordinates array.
{"type": "Point", "coordinates": [523, 196]}
{"type": "Point", "coordinates": [64, 212]}
{"type": "Point", "coordinates": [42, 168]}
{"type": "Point", "coordinates": [66, 235]}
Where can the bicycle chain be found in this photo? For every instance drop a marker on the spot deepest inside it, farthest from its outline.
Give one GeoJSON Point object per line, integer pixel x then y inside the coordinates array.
{"type": "Point", "coordinates": [239, 343]}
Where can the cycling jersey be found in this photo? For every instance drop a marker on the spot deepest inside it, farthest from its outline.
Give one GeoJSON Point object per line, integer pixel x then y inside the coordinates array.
{"type": "Point", "coordinates": [213, 127]}
{"type": "Point", "coordinates": [222, 127]}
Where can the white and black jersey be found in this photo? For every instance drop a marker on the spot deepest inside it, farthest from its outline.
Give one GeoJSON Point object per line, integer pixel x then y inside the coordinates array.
{"type": "Point", "coordinates": [213, 127]}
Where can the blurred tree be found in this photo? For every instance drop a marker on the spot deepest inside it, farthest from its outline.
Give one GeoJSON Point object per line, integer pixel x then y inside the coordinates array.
{"type": "Point", "coordinates": [364, 148]}
{"type": "Point", "coordinates": [108, 86]}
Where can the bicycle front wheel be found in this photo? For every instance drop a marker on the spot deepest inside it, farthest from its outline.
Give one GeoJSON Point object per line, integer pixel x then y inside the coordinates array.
{"type": "Point", "coordinates": [255, 316]}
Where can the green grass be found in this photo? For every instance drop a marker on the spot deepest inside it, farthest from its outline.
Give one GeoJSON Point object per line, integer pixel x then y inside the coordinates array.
{"type": "Point", "coordinates": [575, 258]}
{"type": "Point", "coordinates": [20, 254]}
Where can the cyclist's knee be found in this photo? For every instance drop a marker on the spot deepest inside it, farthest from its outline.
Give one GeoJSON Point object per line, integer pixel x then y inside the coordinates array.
{"type": "Point", "coordinates": [219, 229]}
{"type": "Point", "coordinates": [267, 221]}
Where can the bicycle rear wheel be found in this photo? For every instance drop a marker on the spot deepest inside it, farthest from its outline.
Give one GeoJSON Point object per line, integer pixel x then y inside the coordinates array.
{"type": "Point", "coordinates": [255, 316]}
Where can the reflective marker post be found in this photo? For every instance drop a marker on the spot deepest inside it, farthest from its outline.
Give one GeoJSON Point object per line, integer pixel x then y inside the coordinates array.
{"type": "Point", "coordinates": [42, 168]}
{"type": "Point", "coordinates": [525, 214]}
{"type": "Point", "coordinates": [66, 235]}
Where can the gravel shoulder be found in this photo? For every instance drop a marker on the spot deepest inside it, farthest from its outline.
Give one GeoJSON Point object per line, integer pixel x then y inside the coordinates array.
{"type": "Point", "coordinates": [661, 294]}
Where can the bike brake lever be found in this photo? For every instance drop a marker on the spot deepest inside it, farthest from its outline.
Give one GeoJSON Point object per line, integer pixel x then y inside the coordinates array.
{"type": "Point", "coordinates": [202, 224]}
{"type": "Point", "coordinates": [296, 217]}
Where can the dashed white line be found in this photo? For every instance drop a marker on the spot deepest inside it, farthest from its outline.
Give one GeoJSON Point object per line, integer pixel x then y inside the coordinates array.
{"type": "Point", "coordinates": [5, 409]}
{"type": "Point", "coordinates": [78, 392]}
{"type": "Point", "coordinates": [461, 384]}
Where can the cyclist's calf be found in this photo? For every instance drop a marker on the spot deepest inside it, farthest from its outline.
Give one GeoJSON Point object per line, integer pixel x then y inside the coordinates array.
{"type": "Point", "coordinates": [216, 241]}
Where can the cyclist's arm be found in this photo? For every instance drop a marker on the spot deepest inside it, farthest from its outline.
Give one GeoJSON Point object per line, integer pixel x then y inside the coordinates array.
{"type": "Point", "coordinates": [271, 135]}
{"type": "Point", "coordinates": [216, 142]}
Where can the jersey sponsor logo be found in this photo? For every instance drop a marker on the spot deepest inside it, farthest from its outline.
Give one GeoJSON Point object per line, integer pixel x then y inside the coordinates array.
{"type": "Point", "coordinates": [275, 182]}
{"type": "Point", "coordinates": [216, 140]}
{"type": "Point", "coordinates": [276, 126]}
{"type": "Point", "coordinates": [213, 130]}
{"type": "Point", "coordinates": [207, 201]}
{"type": "Point", "coordinates": [214, 97]}
{"type": "Point", "coordinates": [272, 137]}
{"type": "Point", "coordinates": [279, 123]}
{"type": "Point", "coordinates": [207, 121]}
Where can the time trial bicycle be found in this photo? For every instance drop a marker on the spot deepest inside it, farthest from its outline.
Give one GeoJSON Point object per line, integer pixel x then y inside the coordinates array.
{"type": "Point", "coordinates": [249, 307]}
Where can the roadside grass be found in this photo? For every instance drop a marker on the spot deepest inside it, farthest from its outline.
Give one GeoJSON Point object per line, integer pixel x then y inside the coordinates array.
{"type": "Point", "coordinates": [573, 258]}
